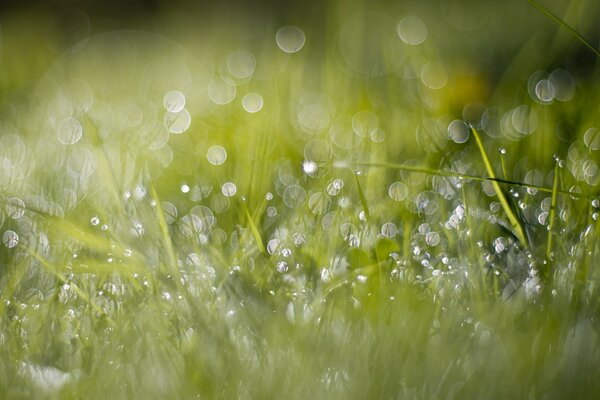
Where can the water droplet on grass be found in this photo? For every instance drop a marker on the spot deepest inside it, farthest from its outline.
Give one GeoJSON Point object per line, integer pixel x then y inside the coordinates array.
{"type": "Point", "coordinates": [282, 267]}
{"type": "Point", "coordinates": [15, 208]}
{"type": "Point", "coordinates": [10, 239]}
{"type": "Point", "coordinates": [273, 245]}
{"type": "Point", "coordinates": [458, 131]}
{"type": "Point", "coordinates": [389, 230]}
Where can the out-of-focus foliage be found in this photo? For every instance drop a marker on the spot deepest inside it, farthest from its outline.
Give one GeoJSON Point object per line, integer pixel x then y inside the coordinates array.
{"type": "Point", "coordinates": [256, 201]}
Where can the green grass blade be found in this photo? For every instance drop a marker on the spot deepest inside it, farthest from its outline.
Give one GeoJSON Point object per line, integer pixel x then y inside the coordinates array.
{"type": "Point", "coordinates": [563, 24]}
{"type": "Point", "coordinates": [468, 177]}
{"type": "Point", "coordinates": [552, 214]}
{"type": "Point", "coordinates": [253, 227]}
{"type": "Point", "coordinates": [512, 217]}
{"type": "Point", "coordinates": [363, 199]}
{"type": "Point", "coordinates": [164, 229]}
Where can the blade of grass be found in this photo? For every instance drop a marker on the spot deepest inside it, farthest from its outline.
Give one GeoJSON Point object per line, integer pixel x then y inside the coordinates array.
{"type": "Point", "coordinates": [552, 214]}
{"type": "Point", "coordinates": [164, 229]}
{"type": "Point", "coordinates": [253, 228]}
{"type": "Point", "coordinates": [363, 199]}
{"type": "Point", "coordinates": [467, 177]}
{"type": "Point", "coordinates": [512, 217]}
{"type": "Point", "coordinates": [563, 24]}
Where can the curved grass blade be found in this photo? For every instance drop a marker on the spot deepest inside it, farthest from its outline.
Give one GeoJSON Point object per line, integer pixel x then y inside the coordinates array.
{"type": "Point", "coordinates": [564, 25]}
{"type": "Point", "coordinates": [512, 217]}
{"type": "Point", "coordinates": [468, 177]}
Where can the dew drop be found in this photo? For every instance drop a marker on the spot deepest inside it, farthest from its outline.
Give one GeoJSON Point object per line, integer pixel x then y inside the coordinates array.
{"type": "Point", "coordinates": [15, 207]}
{"type": "Point", "coordinates": [458, 131]}
{"type": "Point", "coordinates": [10, 239]}
{"type": "Point", "coordinates": [389, 230]}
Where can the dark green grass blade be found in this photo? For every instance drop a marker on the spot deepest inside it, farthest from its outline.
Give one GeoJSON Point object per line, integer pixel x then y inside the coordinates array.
{"type": "Point", "coordinates": [564, 25]}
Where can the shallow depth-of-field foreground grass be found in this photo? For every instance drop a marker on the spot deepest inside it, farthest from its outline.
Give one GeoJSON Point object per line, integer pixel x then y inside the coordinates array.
{"type": "Point", "coordinates": [339, 207]}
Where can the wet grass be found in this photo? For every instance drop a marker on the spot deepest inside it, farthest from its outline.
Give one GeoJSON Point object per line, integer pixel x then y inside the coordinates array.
{"type": "Point", "coordinates": [378, 222]}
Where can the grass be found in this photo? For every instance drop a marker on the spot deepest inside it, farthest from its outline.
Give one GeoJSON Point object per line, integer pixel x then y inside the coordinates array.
{"type": "Point", "coordinates": [354, 238]}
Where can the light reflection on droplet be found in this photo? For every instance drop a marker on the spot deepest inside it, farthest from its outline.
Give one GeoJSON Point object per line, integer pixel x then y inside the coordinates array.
{"type": "Point", "coordinates": [412, 30]}
{"type": "Point", "coordinates": [221, 91]}
{"type": "Point", "coordinates": [398, 191]}
{"type": "Point", "coordinates": [563, 84]}
{"type": "Point", "coordinates": [290, 39]}
{"type": "Point", "coordinates": [591, 138]}
{"type": "Point", "coordinates": [458, 131]}
{"type": "Point", "coordinates": [544, 91]}
{"type": "Point", "coordinates": [364, 123]}
{"type": "Point", "coordinates": [377, 136]}
{"type": "Point", "coordinates": [170, 211]}
{"type": "Point", "coordinates": [69, 131]}
{"type": "Point", "coordinates": [389, 230]}
{"type": "Point", "coordinates": [252, 102]}
{"type": "Point", "coordinates": [15, 208]}
{"type": "Point", "coordinates": [241, 64]}
{"type": "Point", "coordinates": [309, 167]}
{"type": "Point", "coordinates": [273, 245]}
{"type": "Point", "coordinates": [434, 76]}
{"type": "Point", "coordinates": [229, 189]}
{"type": "Point", "coordinates": [216, 155]}
{"type": "Point", "coordinates": [10, 239]}
{"type": "Point", "coordinates": [174, 101]}
{"type": "Point", "coordinates": [178, 122]}
{"type": "Point", "coordinates": [293, 196]}
{"type": "Point", "coordinates": [524, 119]}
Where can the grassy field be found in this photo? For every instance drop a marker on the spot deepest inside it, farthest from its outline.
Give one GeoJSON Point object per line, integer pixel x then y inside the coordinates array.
{"type": "Point", "coordinates": [337, 201]}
